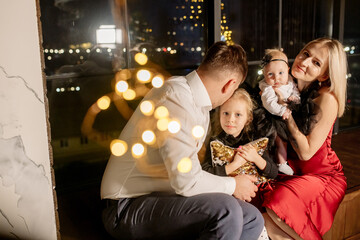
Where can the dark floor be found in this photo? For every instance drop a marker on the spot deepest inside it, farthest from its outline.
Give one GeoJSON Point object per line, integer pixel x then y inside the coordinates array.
{"type": "Point", "coordinates": [79, 206]}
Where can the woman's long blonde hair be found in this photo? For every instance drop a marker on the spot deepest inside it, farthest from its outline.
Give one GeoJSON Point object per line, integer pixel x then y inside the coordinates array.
{"type": "Point", "coordinates": [337, 70]}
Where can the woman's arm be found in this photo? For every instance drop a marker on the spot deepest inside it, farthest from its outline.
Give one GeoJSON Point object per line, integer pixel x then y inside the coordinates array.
{"type": "Point", "coordinates": [307, 146]}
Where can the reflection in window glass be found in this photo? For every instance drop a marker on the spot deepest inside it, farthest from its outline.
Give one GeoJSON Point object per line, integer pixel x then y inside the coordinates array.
{"type": "Point", "coordinates": [352, 46]}
{"type": "Point", "coordinates": [253, 24]}
{"type": "Point", "coordinates": [107, 34]}
{"type": "Point", "coordinates": [101, 58]}
{"type": "Point", "coordinates": [173, 39]}
{"type": "Point", "coordinates": [298, 25]}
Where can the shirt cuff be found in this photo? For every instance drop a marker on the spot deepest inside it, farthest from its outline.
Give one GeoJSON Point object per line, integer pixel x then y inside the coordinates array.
{"type": "Point", "coordinates": [230, 185]}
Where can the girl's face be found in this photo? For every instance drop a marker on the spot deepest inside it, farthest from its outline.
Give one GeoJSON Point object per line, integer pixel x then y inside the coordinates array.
{"type": "Point", "coordinates": [311, 64]}
{"type": "Point", "coordinates": [276, 73]}
{"type": "Point", "coordinates": [233, 116]}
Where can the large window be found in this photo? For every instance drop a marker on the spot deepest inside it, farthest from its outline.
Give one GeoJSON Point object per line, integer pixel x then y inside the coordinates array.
{"type": "Point", "coordinates": [96, 53]}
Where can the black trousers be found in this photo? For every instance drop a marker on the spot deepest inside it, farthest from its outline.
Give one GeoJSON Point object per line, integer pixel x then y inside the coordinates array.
{"type": "Point", "coordinates": [170, 216]}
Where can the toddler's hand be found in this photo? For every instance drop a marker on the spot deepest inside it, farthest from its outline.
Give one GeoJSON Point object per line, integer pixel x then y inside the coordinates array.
{"type": "Point", "coordinates": [286, 114]}
{"type": "Point", "coordinates": [294, 99]}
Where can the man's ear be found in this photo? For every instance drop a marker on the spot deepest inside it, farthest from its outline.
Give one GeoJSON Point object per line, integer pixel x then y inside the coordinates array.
{"type": "Point", "coordinates": [323, 78]}
{"type": "Point", "coordinates": [228, 85]}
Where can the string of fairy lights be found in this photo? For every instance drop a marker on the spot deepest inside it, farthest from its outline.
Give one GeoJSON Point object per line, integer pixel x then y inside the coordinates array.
{"type": "Point", "coordinates": [159, 114]}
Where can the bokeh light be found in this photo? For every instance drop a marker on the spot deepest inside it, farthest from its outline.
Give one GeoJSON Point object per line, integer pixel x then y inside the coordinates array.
{"type": "Point", "coordinates": [157, 81]}
{"type": "Point", "coordinates": [103, 102]}
{"type": "Point", "coordinates": [198, 131]}
{"type": "Point", "coordinates": [137, 150]}
{"type": "Point", "coordinates": [185, 165]}
{"type": "Point", "coordinates": [147, 108]}
{"type": "Point", "coordinates": [118, 147]}
{"type": "Point", "coordinates": [141, 58]}
{"type": "Point", "coordinates": [143, 76]}
{"type": "Point", "coordinates": [121, 86]}
{"type": "Point", "coordinates": [161, 112]}
{"type": "Point", "coordinates": [124, 74]}
{"type": "Point", "coordinates": [162, 124]}
{"type": "Point", "coordinates": [148, 137]}
{"type": "Point", "coordinates": [174, 126]}
{"type": "Point", "coordinates": [129, 94]}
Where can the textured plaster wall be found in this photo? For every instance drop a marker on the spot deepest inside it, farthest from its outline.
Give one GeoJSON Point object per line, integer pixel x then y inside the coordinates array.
{"type": "Point", "coordinates": [26, 188]}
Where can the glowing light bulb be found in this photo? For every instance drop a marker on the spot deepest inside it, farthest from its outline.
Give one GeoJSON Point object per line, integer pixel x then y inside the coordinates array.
{"type": "Point", "coordinates": [129, 94]}
{"type": "Point", "coordinates": [137, 150]}
{"type": "Point", "coordinates": [161, 112]}
{"type": "Point", "coordinates": [122, 86]}
{"type": "Point", "coordinates": [157, 81]}
{"type": "Point", "coordinates": [118, 147]}
{"type": "Point", "coordinates": [260, 72]}
{"type": "Point", "coordinates": [143, 76]}
{"type": "Point", "coordinates": [174, 126]}
{"type": "Point", "coordinates": [103, 102]}
{"type": "Point", "coordinates": [162, 124]}
{"type": "Point", "coordinates": [141, 58]}
{"type": "Point", "coordinates": [185, 165]}
{"type": "Point", "coordinates": [148, 137]}
{"type": "Point", "coordinates": [147, 108]}
{"type": "Point", "coordinates": [198, 131]}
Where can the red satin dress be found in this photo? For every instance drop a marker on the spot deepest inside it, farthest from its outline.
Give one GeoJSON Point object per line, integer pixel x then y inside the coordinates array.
{"type": "Point", "coordinates": [308, 200]}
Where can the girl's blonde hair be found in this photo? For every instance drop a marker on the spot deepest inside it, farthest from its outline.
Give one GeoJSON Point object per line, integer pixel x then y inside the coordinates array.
{"type": "Point", "coordinates": [337, 69]}
{"type": "Point", "coordinates": [239, 94]}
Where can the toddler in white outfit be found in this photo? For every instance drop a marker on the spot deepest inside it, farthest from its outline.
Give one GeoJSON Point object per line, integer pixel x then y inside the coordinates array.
{"type": "Point", "coordinates": [277, 90]}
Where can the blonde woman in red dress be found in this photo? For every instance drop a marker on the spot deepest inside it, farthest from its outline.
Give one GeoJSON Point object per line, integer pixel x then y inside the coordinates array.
{"type": "Point", "coordinates": [303, 206]}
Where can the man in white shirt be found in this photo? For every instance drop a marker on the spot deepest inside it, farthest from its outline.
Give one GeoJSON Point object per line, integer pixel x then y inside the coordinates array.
{"type": "Point", "coordinates": [152, 194]}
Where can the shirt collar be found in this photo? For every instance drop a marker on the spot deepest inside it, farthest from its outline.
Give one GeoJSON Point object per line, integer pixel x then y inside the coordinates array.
{"type": "Point", "coordinates": [201, 96]}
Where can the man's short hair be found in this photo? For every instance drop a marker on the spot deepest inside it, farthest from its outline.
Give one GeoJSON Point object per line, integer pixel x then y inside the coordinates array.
{"type": "Point", "coordinates": [227, 58]}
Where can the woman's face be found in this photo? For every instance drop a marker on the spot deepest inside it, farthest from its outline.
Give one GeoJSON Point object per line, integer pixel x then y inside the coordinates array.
{"type": "Point", "coordinates": [234, 116]}
{"type": "Point", "coordinates": [311, 64]}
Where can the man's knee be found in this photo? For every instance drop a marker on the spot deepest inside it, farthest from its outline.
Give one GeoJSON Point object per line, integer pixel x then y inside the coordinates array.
{"type": "Point", "coordinates": [226, 206]}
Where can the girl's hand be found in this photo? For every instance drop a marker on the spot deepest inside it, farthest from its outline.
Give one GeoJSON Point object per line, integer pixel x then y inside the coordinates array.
{"type": "Point", "coordinates": [238, 160]}
{"type": "Point", "coordinates": [235, 164]}
{"type": "Point", "coordinates": [248, 152]}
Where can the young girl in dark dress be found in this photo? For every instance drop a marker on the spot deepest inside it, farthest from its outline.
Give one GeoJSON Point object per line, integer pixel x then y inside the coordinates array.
{"type": "Point", "coordinates": [232, 127]}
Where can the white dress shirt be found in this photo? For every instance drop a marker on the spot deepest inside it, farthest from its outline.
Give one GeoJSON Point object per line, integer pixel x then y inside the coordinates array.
{"type": "Point", "coordinates": [270, 99]}
{"type": "Point", "coordinates": [126, 176]}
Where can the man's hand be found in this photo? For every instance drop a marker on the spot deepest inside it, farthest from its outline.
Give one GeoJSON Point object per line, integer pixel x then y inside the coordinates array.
{"type": "Point", "coordinates": [245, 187]}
